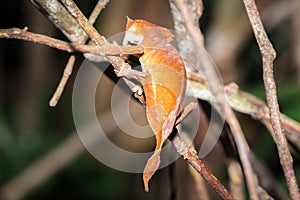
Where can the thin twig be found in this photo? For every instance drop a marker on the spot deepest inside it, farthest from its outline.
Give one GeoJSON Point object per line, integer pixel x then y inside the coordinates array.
{"type": "Point", "coordinates": [63, 81]}
{"type": "Point", "coordinates": [94, 15]}
{"type": "Point", "coordinates": [69, 67]}
{"type": "Point", "coordinates": [84, 22]}
{"type": "Point", "coordinates": [189, 153]}
{"type": "Point", "coordinates": [216, 88]}
{"type": "Point", "coordinates": [107, 49]}
{"type": "Point", "coordinates": [24, 34]}
{"type": "Point", "coordinates": [268, 56]}
{"type": "Point", "coordinates": [98, 8]}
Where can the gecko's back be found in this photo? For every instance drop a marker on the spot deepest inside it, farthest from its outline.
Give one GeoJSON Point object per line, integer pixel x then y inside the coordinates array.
{"type": "Point", "coordinates": [164, 84]}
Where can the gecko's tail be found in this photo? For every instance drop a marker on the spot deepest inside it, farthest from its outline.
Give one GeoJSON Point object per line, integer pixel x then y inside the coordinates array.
{"type": "Point", "coordinates": [151, 167]}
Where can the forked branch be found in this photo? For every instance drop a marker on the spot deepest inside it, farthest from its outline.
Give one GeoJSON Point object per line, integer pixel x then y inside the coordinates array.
{"type": "Point", "coordinates": [69, 67]}
{"type": "Point", "coordinates": [189, 153]}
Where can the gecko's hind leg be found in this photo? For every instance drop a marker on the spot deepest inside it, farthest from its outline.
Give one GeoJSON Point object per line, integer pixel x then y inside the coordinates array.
{"type": "Point", "coordinates": [136, 89]}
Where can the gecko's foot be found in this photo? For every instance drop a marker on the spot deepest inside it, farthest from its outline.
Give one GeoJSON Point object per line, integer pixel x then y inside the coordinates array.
{"type": "Point", "coordinates": [126, 71]}
{"type": "Point", "coordinates": [138, 89]}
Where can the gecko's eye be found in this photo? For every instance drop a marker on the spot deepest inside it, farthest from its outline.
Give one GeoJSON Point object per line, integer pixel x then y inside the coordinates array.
{"type": "Point", "coordinates": [132, 43]}
{"type": "Point", "coordinates": [132, 39]}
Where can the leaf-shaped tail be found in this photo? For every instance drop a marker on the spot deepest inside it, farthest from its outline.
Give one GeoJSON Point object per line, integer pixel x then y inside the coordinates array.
{"type": "Point", "coordinates": [154, 161]}
{"type": "Point", "coordinates": [151, 167]}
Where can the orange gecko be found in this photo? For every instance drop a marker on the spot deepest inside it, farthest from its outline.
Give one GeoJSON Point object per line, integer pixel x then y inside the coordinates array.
{"type": "Point", "coordinates": [164, 83]}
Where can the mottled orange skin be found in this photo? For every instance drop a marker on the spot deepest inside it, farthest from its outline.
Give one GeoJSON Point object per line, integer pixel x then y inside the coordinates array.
{"type": "Point", "coordinates": [164, 84]}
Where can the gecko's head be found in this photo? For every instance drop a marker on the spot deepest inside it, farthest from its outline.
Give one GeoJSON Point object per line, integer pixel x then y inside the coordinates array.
{"type": "Point", "coordinates": [137, 29]}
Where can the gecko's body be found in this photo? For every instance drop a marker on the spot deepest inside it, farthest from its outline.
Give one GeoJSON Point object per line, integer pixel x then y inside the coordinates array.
{"type": "Point", "coordinates": [164, 83]}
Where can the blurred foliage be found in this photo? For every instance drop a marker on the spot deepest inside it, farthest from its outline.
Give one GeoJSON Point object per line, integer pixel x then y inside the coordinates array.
{"type": "Point", "coordinates": [83, 179]}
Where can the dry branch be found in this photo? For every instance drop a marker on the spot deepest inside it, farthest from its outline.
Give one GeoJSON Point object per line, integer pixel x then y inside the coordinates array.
{"type": "Point", "coordinates": [94, 15]}
{"type": "Point", "coordinates": [189, 153]}
{"type": "Point", "coordinates": [69, 67]}
{"type": "Point", "coordinates": [104, 50]}
{"type": "Point", "coordinates": [268, 56]}
{"type": "Point", "coordinates": [60, 17]}
{"type": "Point", "coordinates": [60, 88]}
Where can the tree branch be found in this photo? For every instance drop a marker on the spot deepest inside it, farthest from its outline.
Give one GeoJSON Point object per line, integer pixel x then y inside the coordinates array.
{"type": "Point", "coordinates": [189, 153]}
{"type": "Point", "coordinates": [243, 102]}
{"type": "Point", "coordinates": [60, 17]}
{"type": "Point", "coordinates": [106, 49]}
{"type": "Point", "coordinates": [69, 67]}
{"type": "Point", "coordinates": [268, 56]}
{"type": "Point", "coordinates": [60, 88]}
